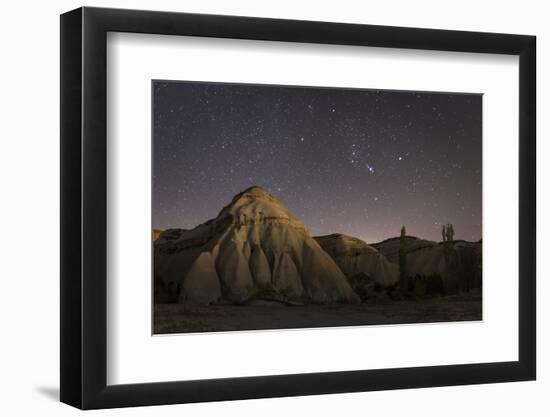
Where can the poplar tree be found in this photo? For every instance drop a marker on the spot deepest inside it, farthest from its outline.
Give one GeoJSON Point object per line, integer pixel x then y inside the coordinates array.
{"type": "Point", "coordinates": [403, 273]}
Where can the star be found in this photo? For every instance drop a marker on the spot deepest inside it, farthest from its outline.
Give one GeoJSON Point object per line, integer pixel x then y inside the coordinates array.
{"type": "Point", "coordinates": [211, 141]}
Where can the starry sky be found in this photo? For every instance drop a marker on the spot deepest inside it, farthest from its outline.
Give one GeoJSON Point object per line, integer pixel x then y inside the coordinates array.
{"type": "Point", "coordinates": [354, 161]}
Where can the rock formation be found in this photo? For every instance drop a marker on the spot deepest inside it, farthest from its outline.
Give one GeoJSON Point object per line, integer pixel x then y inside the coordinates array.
{"type": "Point", "coordinates": [432, 260]}
{"type": "Point", "coordinates": [254, 246]}
{"type": "Point", "coordinates": [354, 256]}
{"type": "Point", "coordinates": [156, 233]}
{"type": "Point", "coordinates": [390, 247]}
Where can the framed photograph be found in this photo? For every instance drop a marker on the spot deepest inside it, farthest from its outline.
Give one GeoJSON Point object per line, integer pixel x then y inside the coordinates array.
{"type": "Point", "coordinates": [257, 208]}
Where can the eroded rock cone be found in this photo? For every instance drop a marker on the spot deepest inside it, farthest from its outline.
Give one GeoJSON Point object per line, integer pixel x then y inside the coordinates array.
{"type": "Point", "coordinates": [354, 256]}
{"type": "Point", "coordinates": [254, 247]}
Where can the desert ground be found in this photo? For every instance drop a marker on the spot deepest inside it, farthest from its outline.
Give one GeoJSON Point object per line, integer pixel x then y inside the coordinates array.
{"type": "Point", "coordinates": [179, 318]}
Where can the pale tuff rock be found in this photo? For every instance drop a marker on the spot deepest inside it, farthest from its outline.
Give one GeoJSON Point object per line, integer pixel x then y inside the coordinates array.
{"type": "Point", "coordinates": [201, 284]}
{"type": "Point", "coordinates": [257, 206]}
{"type": "Point", "coordinates": [255, 243]}
{"type": "Point", "coordinates": [390, 247]}
{"type": "Point", "coordinates": [427, 261]}
{"type": "Point", "coordinates": [430, 260]}
{"type": "Point", "coordinates": [233, 268]}
{"type": "Point", "coordinates": [354, 256]}
{"type": "Point", "coordinates": [259, 266]}
{"type": "Point", "coordinates": [426, 258]}
{"type": "Point", "coordinates": [323, 280]}
{"type": "Point", "coordinates": [286, 278]}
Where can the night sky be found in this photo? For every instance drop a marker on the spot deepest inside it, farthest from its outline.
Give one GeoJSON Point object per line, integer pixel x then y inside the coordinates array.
{"type": "Point", "coordinates": [360, 162]}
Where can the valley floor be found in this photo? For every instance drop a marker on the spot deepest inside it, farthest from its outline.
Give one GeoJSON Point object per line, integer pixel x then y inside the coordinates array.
{"type": "Point", "coordinates": [177, 318]}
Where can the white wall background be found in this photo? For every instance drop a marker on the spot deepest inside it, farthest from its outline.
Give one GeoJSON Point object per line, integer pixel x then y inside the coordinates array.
{"type": "Point", "coordinates": [29, 177]}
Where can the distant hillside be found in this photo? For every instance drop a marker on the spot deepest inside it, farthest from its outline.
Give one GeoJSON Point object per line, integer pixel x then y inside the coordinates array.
{"type": "Point", "coordinates": [354, 256]}
{"type": "Point", "coordinates": [390, 247]}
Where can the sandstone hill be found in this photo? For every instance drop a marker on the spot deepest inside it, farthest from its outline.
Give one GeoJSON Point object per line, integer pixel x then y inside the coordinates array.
{"type": "Point", "coordinates": [255, 248]}
{"type": "Point", "coordinates": [354, 256]}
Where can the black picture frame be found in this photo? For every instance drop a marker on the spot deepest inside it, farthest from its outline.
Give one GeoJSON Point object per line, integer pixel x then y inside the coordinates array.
{"type": "Point", "coordinates": [84, 207]}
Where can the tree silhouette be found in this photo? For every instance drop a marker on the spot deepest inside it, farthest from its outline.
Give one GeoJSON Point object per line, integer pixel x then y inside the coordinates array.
{"type": "Point", "coordinates": [403, 273]}
{"type": "Point", "coordinates": [452, 261]}
{"type": "Point", "coordinates": [448, 232]}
